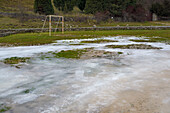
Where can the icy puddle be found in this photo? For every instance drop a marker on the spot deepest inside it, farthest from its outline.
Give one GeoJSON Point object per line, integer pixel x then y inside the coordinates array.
{"type": "Point", "coordinates": [136, 81]}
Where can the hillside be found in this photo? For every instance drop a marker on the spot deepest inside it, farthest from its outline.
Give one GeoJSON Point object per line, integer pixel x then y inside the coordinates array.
{"type": "Point", "coordinates": [23, 17]}
{"type": "Point", "coordinates": [16, 5]}
{"type": "Point", "coordinates": [27, 5]}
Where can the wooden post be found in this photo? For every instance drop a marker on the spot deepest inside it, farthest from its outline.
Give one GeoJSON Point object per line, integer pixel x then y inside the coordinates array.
{"type": "Point", "coordinates": [50, 25]}
{"type": "Point", "coordinates": [44, 23]}
{"type": "Point", "coordinates": [62, 25]}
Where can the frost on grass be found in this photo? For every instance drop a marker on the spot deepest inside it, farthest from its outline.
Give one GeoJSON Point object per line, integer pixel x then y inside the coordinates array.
{"type": "Point", "coordinates": [133, 46]}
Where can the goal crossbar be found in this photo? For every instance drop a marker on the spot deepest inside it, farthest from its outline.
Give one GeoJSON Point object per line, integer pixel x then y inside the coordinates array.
{"type": "Point", "coordinates": [50, 23]}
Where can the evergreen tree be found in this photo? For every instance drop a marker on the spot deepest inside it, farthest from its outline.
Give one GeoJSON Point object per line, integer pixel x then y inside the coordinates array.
{"type": "Point", "coordinates": [59, 4]}
{"type": "Point", "coordinates": [81, 4]}
{"type": "Point", "coordinates": [157, 9]}
{"type": "Point", "coordinates": [43, 7]}
{"type": "Point", "coordinates": [64, 5]}
{"type": "Point", "coordinates": [36, 6]}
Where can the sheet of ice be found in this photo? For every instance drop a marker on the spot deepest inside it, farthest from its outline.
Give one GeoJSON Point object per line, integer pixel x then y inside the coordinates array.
{"type": "Point", "coordinates": [28, 51]}
{"type": "Point", "coordinates": [67, 85]}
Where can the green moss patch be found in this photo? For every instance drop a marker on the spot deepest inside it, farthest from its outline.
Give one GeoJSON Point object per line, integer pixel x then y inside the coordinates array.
{"type": "Point", "coordinates": [74, 54]}
{"type": "Point", "coordinates": [133, 46]}
{"type": "Point", "coordinates": [99, 41]}
{"type": "Point", "coordinates": [28, 90]}
{"type": "Point", "coordinates": [15, 60]}
{"type": "Point", "coordinates": [4, 109]}
{"type": "Point", "coordinates": [120, 53]}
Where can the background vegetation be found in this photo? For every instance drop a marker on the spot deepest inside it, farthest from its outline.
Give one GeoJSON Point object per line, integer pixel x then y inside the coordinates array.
{"type": "Point", "coordinates": [81, 13]}
{"type": "Point", "coordinates": [126, 10]}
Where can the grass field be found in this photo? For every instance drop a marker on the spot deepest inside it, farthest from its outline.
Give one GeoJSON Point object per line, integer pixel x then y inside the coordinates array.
{"type": "Point", "coordinates": [28, 39]}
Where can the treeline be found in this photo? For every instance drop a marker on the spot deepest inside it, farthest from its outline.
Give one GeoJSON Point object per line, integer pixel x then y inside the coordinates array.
{"type": "Point", "coordinates": [124, 10]}
{"type": "Point", "coordinates": [45, 6]}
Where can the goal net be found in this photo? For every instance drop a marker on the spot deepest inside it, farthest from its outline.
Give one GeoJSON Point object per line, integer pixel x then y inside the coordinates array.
{"type": "Point", "coordinates": [54, 22]}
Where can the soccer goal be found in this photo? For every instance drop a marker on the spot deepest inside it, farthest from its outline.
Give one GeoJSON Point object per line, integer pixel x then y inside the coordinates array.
{"type": "Point", "coordinates": [57, 21]}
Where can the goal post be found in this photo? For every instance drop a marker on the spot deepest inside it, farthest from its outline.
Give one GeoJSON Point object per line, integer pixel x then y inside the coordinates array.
{"type": "Point", "coordinates": [50, 23]}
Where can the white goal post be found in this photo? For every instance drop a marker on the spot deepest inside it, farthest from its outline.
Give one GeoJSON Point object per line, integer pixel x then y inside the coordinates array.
{"type": "Point", "coordinates": [50, 23]}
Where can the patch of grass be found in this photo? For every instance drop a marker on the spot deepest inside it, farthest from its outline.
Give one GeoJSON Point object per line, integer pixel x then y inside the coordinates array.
{"type": "Point", "coordinates": [15, 60]}
{"type": "Point", "coordinates": [28, 39]}
{"type": "Point", "coordinates": [74, 54]}
{"type": "Point", "coordinates": [120, 53]}
{"type": "Point", "coordinates": [99, 41]}
{"type": "Point", "coordinates": [133, 46]}
{"type": "Point", "coordinates": [4, 109]}
{"type": "Point", "coordinates": [28, 90]}
{"type": "Point", "coordinates": [150, 40]}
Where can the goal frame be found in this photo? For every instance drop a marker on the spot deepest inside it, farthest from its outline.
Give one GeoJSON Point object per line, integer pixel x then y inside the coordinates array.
{"type": "Point", "coordinates": [50, 23]}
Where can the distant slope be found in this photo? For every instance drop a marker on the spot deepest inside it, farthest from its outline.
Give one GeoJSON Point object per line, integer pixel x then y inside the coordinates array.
{"type": "Point", "coordinates": [27, 5]}
{"type": "Point", "coordinates": [16, 5]}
